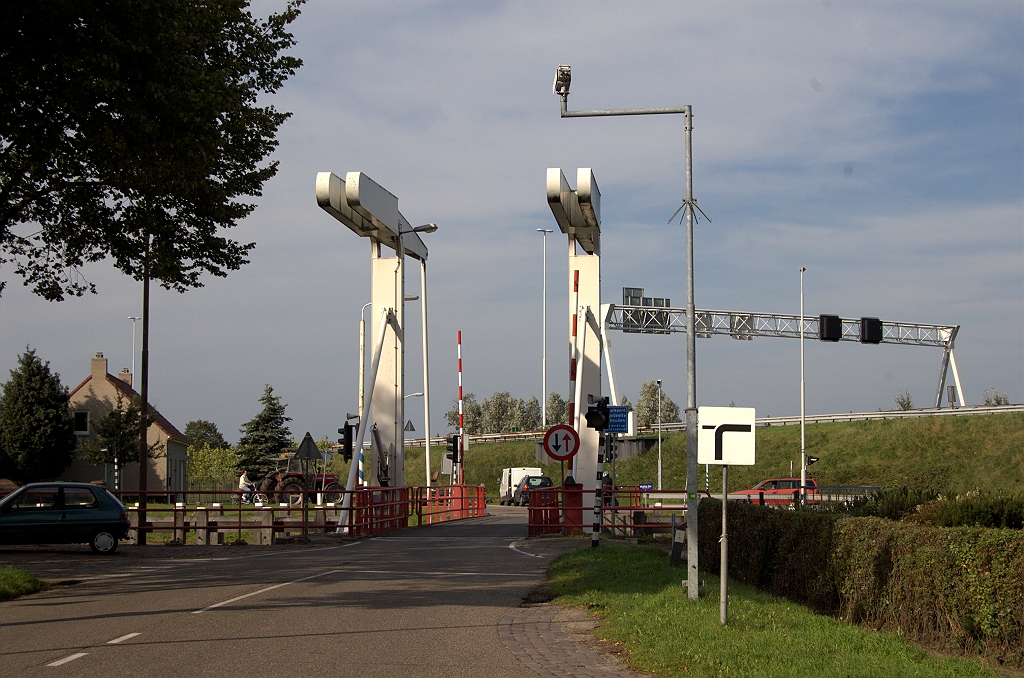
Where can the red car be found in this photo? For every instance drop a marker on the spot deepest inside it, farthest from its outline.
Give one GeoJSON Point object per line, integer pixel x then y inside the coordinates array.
{"type": "Point", "coordinates": [776, 491]}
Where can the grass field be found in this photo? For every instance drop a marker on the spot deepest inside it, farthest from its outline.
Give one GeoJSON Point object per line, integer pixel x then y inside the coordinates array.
{"type": "Point", "coordinates": [644, 608]}
{"type": "Point", "coordinates": [15, 582]}
{"type": "Point", "coordinates": [946, 454]}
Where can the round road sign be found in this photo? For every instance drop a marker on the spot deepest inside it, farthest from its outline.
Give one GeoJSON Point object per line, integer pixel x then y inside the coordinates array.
{"type": "Point", "coordinates": [561, 442]}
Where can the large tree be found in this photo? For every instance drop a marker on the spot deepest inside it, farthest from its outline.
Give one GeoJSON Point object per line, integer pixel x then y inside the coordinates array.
{"type": "Point", "coordinates": [117, 435]}
{"type": "Point", "coordinates": [130, 129]}
{"type": "Point", "coordinates": [264, 436]}
{"type": "Point", "coordinates": [37, 437]}
{"type": "Point", "coordinates": [647, 406]}
{"type": "Point", "coordinates": [205, 433]}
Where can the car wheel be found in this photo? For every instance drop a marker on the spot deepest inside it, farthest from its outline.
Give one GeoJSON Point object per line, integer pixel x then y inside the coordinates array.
{"type": "Point", "coordinates": [103, 541]}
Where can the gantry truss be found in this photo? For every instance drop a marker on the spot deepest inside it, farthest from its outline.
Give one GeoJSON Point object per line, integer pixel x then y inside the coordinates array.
{"type": "Point", "coordinates": [745, 326]}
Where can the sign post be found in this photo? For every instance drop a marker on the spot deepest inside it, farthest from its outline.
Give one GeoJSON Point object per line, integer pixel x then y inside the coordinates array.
{"type": "Point", "coordinates": [725, 436]}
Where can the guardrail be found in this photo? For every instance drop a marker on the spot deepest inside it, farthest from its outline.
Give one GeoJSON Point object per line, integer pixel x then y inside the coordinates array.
{"type": "Point", "coordinates": [374, 510]}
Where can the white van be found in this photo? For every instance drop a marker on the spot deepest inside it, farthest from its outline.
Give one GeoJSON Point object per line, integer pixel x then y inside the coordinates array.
{"type": "Point", "coordinates": [510, 477]}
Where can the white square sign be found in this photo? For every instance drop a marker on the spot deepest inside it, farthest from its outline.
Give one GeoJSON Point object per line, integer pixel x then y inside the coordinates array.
{"type": "Point", "coordinates": [725, 435]}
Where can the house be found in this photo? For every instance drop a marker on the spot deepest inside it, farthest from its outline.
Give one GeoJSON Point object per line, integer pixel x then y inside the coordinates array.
{"type": "Point", "coordinates": [97, 395]}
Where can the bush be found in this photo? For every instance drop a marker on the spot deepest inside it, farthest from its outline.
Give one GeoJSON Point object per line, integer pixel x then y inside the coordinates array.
{"type": "Point", "coordinates": [957, 589]}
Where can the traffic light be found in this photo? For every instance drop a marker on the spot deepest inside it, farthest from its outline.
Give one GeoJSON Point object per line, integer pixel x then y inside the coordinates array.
{"type": "Point", "coordinates": [346, 441]}
{"type": "Point", "coordinates": [811, 460]}
{"type": "Point", "coordinates": [597, 415]}
{"type": "Point", "coordinates": [453, 448]}
{"type": "Point", "coordinates": [830, 328]}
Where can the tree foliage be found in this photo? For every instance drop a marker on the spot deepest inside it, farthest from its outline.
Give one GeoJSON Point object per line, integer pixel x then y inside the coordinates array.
{"type": "Point", "coordinates": [501, 413]}
{"type": "Point", "coordinates": [647, 406]}
{"type": "Point", "coordinates": [211, 463]}
{"type": "Point", "coordinates": [117, 433]}
{"type": "Point", "coordinates": [472, 415]}
{"type": "Point", "coordinates": [264, 436]}
{"type": "Point", "coordinates": [202, 433]}
{"type": "Point", "coordinates": [558, 413]}
{"type": "Point", "coordinates": [37, 437]}
{"type": "Point", "coordinates": [992, 397]}
{"type": "Point", "coordinates": [130, 129]}
{"type": "Point", "coordinates": [903, 401]}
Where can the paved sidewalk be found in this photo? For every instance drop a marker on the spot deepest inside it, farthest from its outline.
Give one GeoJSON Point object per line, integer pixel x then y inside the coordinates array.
{"type": "Point", "coordinates": [540, 636]}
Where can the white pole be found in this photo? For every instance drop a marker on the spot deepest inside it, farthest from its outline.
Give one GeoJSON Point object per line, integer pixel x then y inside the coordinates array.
{"type": "Point", "coordinates": [133, 319]}
{"type": "Point", "coordinates": [544, 332]}
{"type": "Point", "coordinates": [659, 435]}
{"type": "Point", "coordinates": [362, 386]}
{"type": "Point", "coordinates": [803, 399]}
{"type": "Point", "coordinates": [426, 370]}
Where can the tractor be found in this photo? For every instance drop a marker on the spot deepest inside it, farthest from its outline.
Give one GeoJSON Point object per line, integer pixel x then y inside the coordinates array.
{"type": "Point", "coordinates": [292, 476]}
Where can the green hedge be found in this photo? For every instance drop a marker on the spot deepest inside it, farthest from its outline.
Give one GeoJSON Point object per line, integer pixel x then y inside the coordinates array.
{"type": "Point", "coordinates": [955, 589]}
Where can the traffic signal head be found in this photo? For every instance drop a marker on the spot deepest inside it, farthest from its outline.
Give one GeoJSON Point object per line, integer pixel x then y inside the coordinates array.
{"type": "Point", "coordinates": [597, 415]}
{"type": "Point", "coordinates": [346, 441]}
{"type": "Point", "coordinates": [453, 447]}
{"type": "Point", "coordinates": [811, 460]}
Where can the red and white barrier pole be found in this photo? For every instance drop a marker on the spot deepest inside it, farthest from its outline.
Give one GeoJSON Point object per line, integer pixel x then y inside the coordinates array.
{"type": "Point", "coordinates": [573, 354]}
{"type": "Point", "coordinates": [458, 471]}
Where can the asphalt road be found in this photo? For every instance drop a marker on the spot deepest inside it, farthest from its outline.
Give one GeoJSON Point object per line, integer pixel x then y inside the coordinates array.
{"type": "Point", "coordinates": [424, 601]}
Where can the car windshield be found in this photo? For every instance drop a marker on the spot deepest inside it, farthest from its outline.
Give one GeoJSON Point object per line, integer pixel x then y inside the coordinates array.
{"type": "Point", "coordinates": [541, 481]}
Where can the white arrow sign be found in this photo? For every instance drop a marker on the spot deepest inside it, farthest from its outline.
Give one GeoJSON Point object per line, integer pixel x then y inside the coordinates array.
{"type": "Point", "coordinates": [725, 436]}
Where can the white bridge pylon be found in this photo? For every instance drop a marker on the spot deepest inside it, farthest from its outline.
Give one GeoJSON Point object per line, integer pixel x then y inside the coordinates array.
{"type": "Point", "coordinates": [578, 215]}
{"type": "Point", "coordinates": [371, 211]}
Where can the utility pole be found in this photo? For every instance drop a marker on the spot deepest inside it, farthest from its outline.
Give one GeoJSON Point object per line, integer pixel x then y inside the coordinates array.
{"type": "Point", "coordinates": [144, 393]}
{"type": "Point", "coordinates": [561, 88]}
{"type": "Point", "coordinates": [659, 435]}
{"type": "Point", "coordinates": [803, 399]}
{"type": "Point", "coordinates": [133, 318]}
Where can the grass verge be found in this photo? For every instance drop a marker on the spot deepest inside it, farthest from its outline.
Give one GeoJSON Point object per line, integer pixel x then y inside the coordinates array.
{"type": "Point", "coordinates": [644, 608]}
{"type": "Point", "coordinates": [15, 582]}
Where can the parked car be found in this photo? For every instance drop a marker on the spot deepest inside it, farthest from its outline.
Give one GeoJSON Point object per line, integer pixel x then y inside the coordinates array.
{"type": "Point", "coordinates": [63, 513]}
{"type": "Point", "coordinates": [521, 495]}
{"type": "Point", "coordinates": [780, 491]}
{"type": "Point", "coordinates": [510, 477]}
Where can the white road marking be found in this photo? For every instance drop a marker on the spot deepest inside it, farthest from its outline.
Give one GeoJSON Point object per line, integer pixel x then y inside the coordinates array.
{"type": "Point", "coordinates": [115, 641]}
{"type": "Point", "coordinates": [77, 655]}
{"type": "Point", "coordinates": [532, 555]}
{"type": "Point", "coordinates": [444, 573]}
{"type": "Point", "coordinates": [269, 588]}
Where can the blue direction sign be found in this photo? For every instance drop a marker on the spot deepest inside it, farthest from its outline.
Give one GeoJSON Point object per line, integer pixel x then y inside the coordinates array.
{"type": "Point", "coordinates": [646, 487]}
{"type": "Point", "coordinates": [618, 419]}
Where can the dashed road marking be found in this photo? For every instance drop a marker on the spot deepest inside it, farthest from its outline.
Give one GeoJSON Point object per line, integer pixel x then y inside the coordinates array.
{"type": "Point", "coordinates": [77, 655]}
{"type": "Point", "coordinates": [115, 641]}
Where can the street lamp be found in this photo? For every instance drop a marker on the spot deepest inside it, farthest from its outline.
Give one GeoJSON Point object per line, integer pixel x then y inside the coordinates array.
{"type": "Point", "coordinates": [659, 435]}
{"type": "Point", "coordinates": [803, 399]}
{"type": "Point", "coordinates": [563, 78]}
{"type": "Point", "coordinates": [544, 332]}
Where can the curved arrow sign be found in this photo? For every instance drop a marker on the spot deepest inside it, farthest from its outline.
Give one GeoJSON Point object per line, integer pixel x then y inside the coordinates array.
{"type": "Point", "coordinates": [561, 442]}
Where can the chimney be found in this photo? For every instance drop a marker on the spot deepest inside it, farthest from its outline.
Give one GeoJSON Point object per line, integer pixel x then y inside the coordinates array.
{"type": "Point", "coordinates": [125, 376]}
{"type": "Point", "coordinates": [98, 368]}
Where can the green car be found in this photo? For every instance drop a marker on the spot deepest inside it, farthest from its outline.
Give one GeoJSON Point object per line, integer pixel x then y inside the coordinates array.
{"type": "Point", "coordinates": [63, 513]}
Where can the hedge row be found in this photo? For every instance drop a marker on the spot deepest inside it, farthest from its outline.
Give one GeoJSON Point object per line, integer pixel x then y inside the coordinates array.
{"type": "Point", "coordinates": [954, 589]}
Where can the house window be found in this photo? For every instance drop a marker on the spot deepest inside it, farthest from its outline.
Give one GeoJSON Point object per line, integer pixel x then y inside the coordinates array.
{"type": "Point", "coordinates": [81, 423]}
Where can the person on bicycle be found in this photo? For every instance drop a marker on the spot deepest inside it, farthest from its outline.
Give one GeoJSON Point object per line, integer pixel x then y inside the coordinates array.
{"type": "Point", "coordinates": [246, 486]}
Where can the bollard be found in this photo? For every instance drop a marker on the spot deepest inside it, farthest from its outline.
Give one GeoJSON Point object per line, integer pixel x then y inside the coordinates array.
{"type": "Point", "coordinates": [179, 523]}
{"type": "Point", "coordinates": [133, 523]}
{"type": "Point", "coordinates": [266, 532]}
{"type": "Point", "coordinates": [319, 520]}
{"type": "Point", "coordinates": [202, 526]}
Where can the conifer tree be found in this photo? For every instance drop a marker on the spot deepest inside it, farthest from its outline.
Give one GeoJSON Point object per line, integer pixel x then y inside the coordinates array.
{"type": "Point", "coordinates": [37, 437]}
{"type": "Point", "coordinates": [264, 436]}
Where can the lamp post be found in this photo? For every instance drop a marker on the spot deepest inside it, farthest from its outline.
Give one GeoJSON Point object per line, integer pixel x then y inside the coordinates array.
{"type": "Point", "coordinates": [561, 88]}
{"type": "Point", "coordinates": [659, 435]}
{"type": "Point", "coordinates": [803, 399]}
{"type": "Point", "coordinates": [544, 333]}
{"type": "Point", "coordinates": [133, 318]}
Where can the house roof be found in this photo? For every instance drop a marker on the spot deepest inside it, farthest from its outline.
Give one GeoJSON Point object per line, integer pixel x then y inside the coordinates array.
{"type": "Point", "coordinates": [127, 391]}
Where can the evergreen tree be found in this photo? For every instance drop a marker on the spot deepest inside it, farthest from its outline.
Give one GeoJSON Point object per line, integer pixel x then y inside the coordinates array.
{"type": "Point", "coordinates": [647, 406]}
{"type": "Point", "coordinates": [37, 437]}
{"type": "Point", "coordinates": [264, 436]}
{"type": "Point", "coordinates": [202, 433]}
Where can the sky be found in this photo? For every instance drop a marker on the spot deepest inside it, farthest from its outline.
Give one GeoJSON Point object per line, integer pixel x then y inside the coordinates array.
{"type": "Point", "coordinates": [879, 145]}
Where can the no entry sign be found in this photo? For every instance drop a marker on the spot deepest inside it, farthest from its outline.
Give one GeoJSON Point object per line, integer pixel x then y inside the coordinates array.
{"type": "Point", "coordinates": [561, 442]}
